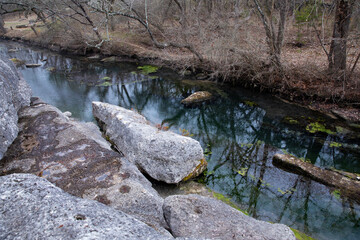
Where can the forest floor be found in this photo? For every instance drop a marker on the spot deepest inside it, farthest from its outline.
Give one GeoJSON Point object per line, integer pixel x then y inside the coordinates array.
{"type": "Point", "coordinates": [304, 60]}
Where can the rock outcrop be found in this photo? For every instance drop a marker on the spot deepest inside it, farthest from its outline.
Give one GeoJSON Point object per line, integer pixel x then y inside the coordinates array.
{"type": "Point", "coordinates": [347, 183]}
{"type": "Point", "coordinates": [197, 97]}
{"type": "Point", "coordinates": [75, 157]}
{"type": "Point", "coordinates": [203, 217]}
{"type": "Point", "coordinates": [33, 208]}
{"type": "Point", "coordinates": [14, 93]}
{"type": "Point", "coordinates": [163, 155]}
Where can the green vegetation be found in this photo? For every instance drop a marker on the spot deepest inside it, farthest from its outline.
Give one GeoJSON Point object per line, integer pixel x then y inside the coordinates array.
{"type": "Point", "coordinates": [305, 160]}
{"type": "Point", "coordinates": [251, 104]}
{"type": "Point", "coordinates": [335, 144]}
{"type": "Point", "coordinates": [17, 62]}
{"type": "Point", "coordinates": [228, 201]}
{"type": "Point", "coordinates": [300, 235]}
{"type": "Point", "coordinates": [106, 78]}
{"type": "Point", "coordinates": [148, 69]}
{"type": "Point", "coordinates": [291, 120]}
{"type": "Point", "coordinates": [307, 13]}
{"type": "Point", "coordinates": [104, 84]}
{"type": "Point", "coordinates": [243, 171]}
{"type": "Point", "coordinates": [186, 133]}
{"type": "Point", "coordinates": [318, 127]}
{"type": "Point", "coordinates": [207, 151]}
{"type": "Point", "coordinates": [337, 194]}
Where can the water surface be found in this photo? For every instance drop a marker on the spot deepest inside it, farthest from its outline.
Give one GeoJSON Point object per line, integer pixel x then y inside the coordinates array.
{"type": "Point", "coordinates": [240, 131]}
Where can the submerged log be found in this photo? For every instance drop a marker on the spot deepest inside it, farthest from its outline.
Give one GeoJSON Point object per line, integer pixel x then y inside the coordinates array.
{"type": "Point", "coordinates": [347, 183]}
{"type": "Point", "coordinates": [33, 65]}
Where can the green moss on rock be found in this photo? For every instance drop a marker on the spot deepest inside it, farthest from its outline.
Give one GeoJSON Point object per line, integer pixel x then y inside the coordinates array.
{"type": "Point", "coordinates": [197, 171]}
{"type": "Point", "coordinates": [300, 235]}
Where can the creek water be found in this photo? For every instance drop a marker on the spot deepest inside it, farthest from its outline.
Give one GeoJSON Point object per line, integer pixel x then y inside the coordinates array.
{"type": "Point", "coordinates": [240, 131]}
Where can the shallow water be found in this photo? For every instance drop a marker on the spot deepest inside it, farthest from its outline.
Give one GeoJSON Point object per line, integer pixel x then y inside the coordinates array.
{"type": "Point", "coordinates": [240, 131]}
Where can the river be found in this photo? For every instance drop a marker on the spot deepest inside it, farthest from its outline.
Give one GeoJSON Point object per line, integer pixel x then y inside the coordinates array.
{"type": "Point", "coordinates": [240, 131]}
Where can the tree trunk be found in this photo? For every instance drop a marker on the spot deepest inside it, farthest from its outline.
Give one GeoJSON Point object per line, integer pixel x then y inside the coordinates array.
{"type": "Point", "coordinates": [337, 54]}
{"type": "Point", "coordinates": [2, 28]}
{"type": "Point", "coordinates": [274, 38]}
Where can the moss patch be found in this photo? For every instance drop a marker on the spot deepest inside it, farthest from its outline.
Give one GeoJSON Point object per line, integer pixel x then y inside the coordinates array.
{"type": "Point", "coordinates": [335, 144]}
{"type": "Point", "coordinates": [300, 235]}
{"type": "Point", "coordinates": [318, 127]}
{"type": "Point", "coordinates": [291, 120]}
{"type": "Point", "coordinates": [197, 171]}
{"type": "Point", "coordinates": [251, 104]}
{"type": "Point", "coordinates": [17, 62]}
{"type": "Point", "coordinates": [148, 69]}
{"type": "Point", "coordinates": [228, 201]}
{"type": "Point", "coordinates": [106, 78]}
{"type": "Point", "coordinates": [104, 84]}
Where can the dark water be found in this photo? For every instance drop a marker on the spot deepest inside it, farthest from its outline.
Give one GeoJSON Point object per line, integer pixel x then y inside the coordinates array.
{"type": "Point", "coordinates": [240, 130]}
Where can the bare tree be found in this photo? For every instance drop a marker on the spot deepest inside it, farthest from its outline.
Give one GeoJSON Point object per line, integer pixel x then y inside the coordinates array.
{"type": "Point", "coordinates": [337, 54]}
{"type": "Point", "coordinates": [129, 9]}
{"type": "Point", "coordinates": [274, 38]}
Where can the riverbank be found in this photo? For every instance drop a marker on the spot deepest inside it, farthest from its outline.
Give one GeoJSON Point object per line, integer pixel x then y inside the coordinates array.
{"type": "Point", "coordinates": [303, 85]}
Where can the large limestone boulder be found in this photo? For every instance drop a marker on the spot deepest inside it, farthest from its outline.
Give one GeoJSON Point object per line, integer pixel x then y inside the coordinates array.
{"type": "Point", "coordinates": [75, 157]}
{"type": "Point", "coordinates": [203, 217]}
{"type": "Point", "coordinates": [14, 93]}
{"type": "Point", "coordinates": [163, 155]}
{"type": "Point", "coordinates": [33, 208]}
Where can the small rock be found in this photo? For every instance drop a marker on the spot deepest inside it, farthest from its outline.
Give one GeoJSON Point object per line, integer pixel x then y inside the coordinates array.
{"type": "Point", "coordinates": [202, 76]}
{"type": "Point", "coordinates": [109, 59]}
{"type": "Point", "coordinates": [197, 97]}
{"type": "Point", "coordinates": [22, 26]}
{"type": "Point", "coordinates": [51, 69]}
{"type": "Point", "coordinates": [94, 57]}
{"type": "Point", "coordinates": [203, 217]}
{"type": "Point", "coordinates": [185, 72]}
{"type": "Point", "coordinates": [67, 114]}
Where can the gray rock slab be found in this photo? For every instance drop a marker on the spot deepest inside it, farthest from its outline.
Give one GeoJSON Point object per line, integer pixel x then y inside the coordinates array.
{"type": "Point", "coordinates": [14, 93]}
{"type": "Point", "coordinates": [163, 155]}
{"type": "Point", "coordinates": [203, 217]}
{"type": "Point", "coordinates": [33, 208]}
{"type": "Point", "coordinates": [75, 157]}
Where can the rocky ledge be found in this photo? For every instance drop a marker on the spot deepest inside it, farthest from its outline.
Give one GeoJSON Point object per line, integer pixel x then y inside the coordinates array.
{"type": "Point", "coordinates": [203, 217]}
{"type": "Point", "coordinates": [14, 94]}
{"type": "Point", "coordinates": [75, 157]}
{"type": "Point", "coordinates": [163, 155]}
{"type": "Point", "coordinates": [33, 208]}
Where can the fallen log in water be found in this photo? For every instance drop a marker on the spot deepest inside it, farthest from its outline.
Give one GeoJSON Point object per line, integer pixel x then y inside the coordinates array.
{"type": "Point", "coordinates": [347, 183]}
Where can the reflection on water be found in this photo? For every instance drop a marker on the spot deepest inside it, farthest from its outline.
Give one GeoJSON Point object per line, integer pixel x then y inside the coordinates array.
{"type": "Point", "coordinates": [240, 130]}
